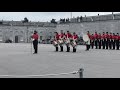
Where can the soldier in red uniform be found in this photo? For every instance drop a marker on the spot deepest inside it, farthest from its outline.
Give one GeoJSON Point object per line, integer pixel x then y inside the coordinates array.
{"type": "Point", "coordinates": [99, 40]}
{"type": "Point", "coordinates": [61, 36]}
{"type": "Point", "coordinates": [68, 37]}
{"type": "Point", "coordinates": [107, 40]}
{"type": "Point", "coordinates": [56, 38]}
{"type": "Point", "coordinates": [74, 40]}
{"type": "Point", "coordinates": [113, 41]}
{"type": "Point", "coordinates": [96, 40]}
{"type": "Point", "coordinates": [117, 41]}
{"type": "Point", "coordinates": [110, 41]}
{"type": "Point", "coordinates": [103, 40]}
{"type": "Point", "coordinates": [88, 45]}
{"type": "Point", "coordinates": [92, 41]}
{"type": "Point", "coordinates": [35, 42]}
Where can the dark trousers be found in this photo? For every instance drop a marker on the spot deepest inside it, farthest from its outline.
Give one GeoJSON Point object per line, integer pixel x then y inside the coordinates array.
{"type": "Point", "coordinates": [74, 49]}
{"type": "Point", "coordinates": [92, 44]}
{"type": "Point", "coordinates": [113, 44]}
{"type": "Point", "coordinates": [87, 47]}
{"type": "Point", "coordinates": [56, 48]}
{"type": "Point", "coordinates": [99, 43]}
{"type": "Point", "coordinates": [117, 44]}
{"type": "Point", "coordinates": [96, 44]}
{"type": "Point", "coordinates": [61, 47]}
{"type": "Point", "coordinates": [68, 49]}
{"type": "Point", "coordinates": [103, 43]}
{"type": "Point", "coordinates": [107, 42]}
{"type": "Point", "coordinates": [110, 44]}
{"type": "Point", "coordinates": [35, 46]}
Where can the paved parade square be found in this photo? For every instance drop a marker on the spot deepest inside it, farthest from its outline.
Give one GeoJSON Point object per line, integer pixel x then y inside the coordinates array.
{"type": "Point", "coordinates": [16, 59]}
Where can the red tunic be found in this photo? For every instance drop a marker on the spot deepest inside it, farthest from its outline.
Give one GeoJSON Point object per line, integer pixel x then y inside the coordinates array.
{"type": "Point", "coordinates": [68, 35]}
{"type": "Point", "coordinates": [117, 37]}
{"type": "Point", "coordinates": [57, 37]}
{"type": "Point", "coordinates": [92, 37]}
{"type": "Point", "coordinates": [107, 36]}
{"type": "Point", "coordinates": [99, 36]}
{"type": "Point", "coordinates": [110, 36]}
{"type": "Point", "coordinates": [96, 36]}
{"type": "Point", "coordinates": [61, 35]}
{"type": "Point", "coordinates": [75, 36]}
{"type": "Point", "coordinates": [103, 36]}
{"type": "Point", "coordinates": [113, 37]}
{"type": "Point", "coordinates": [35, 36]}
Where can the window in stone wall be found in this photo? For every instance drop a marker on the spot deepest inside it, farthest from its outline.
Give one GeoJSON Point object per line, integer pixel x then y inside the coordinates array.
{"type": "Point", "coordinates": [21, 38]}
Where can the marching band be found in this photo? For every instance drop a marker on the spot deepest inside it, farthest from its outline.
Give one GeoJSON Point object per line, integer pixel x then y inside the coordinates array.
{"type": "Point", "coordinates": [67, 39]}
{"type": "Point", "coordinates": [100, 41]}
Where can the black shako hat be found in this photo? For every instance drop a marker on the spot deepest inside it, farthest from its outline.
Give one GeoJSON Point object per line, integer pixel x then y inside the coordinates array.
{"type": "Point", "coordinates": [35, 31]}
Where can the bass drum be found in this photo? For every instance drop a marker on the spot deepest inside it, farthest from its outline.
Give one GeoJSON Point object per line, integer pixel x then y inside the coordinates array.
{"type": "Point", "coordinates": [85, 38]}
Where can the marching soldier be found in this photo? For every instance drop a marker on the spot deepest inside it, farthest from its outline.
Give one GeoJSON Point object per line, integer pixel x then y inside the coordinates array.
{"type": "Point", "coordinates": [67, 41]}
{"type": "Point", "coordinates": [99, 40]}
{"type": "Point", "coordinates": [96, 40]}
{"type": "Point", "coordinates": [113, 41]}
{"type": "Point", "coordinates": [110, 41]}
{"type": "Point", "coordinates": [117, 41]}
{"type": "Point", "coordinates": [74, 41]}
{"type": "Point", "coordinates": [107, 40]}
{"type": "Point", "coordinates": [103, 40]}
{"type": "Point", "coordinates": [35, 42]}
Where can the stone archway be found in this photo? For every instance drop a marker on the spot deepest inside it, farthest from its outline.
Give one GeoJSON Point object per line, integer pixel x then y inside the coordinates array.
{"type": "Point", "coordinates": [16, 39]}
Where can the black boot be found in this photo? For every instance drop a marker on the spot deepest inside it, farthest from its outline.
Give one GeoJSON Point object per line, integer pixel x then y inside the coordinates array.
{"type": "Point", "coordinates": [61, 48]}
{"type": "Point", "coordinates": [56, 49]}
{"type": "Point", "coordinates": [74, 49]}
{"type": "Point", "coordinates": [68, 49]}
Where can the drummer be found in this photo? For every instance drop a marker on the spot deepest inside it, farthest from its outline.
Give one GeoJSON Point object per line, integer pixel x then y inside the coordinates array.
{"type": "Point", "coordinates": [88, 42]}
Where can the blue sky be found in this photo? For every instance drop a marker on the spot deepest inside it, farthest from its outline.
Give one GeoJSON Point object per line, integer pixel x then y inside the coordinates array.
{"type": "Point", "coordinates": [45, 16]}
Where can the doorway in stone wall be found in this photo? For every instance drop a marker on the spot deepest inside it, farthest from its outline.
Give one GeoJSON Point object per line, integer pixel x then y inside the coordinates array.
{"type": "Point", "coordinates": [16, 39]}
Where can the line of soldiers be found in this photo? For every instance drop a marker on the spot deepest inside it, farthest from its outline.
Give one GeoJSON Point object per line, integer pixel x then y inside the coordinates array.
{"type": "Point", "coordinates": [104, 40]}
{"type": "Point", "coordinates": [67, 39]}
